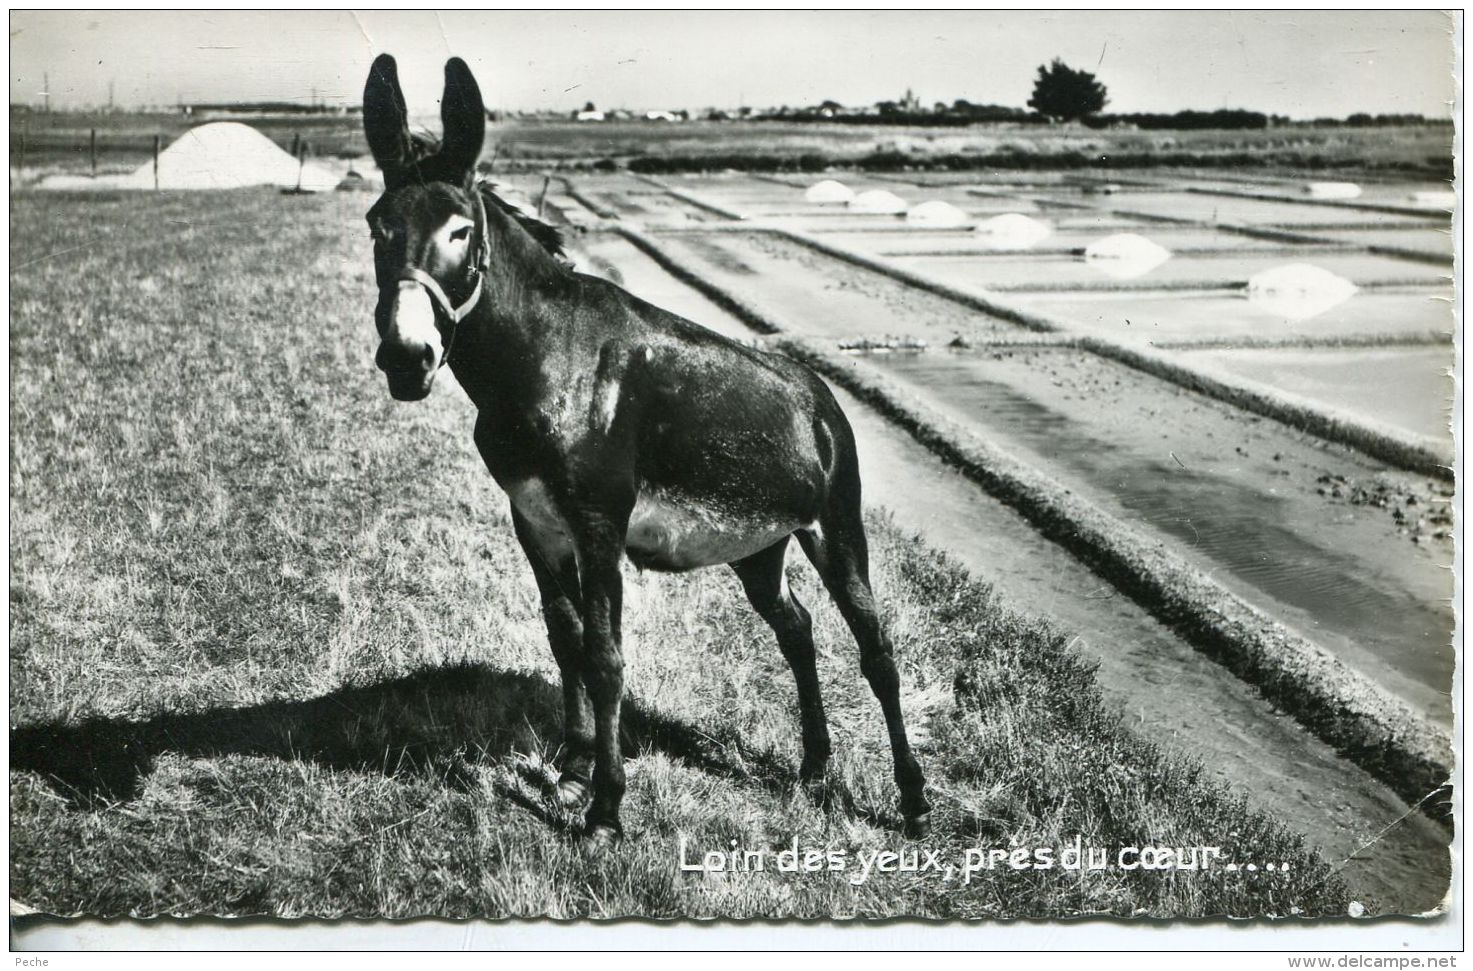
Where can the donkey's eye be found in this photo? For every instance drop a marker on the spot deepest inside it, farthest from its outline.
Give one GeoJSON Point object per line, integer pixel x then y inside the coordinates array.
{"type": "Point", "coordinates": [460, 235]}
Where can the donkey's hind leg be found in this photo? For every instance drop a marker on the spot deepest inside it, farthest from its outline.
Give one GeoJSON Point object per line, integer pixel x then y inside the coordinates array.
{"type": "Point", "coordinates": [840, 553]}
{"type": "Point", "coordinates": [767, 588]}
{"type": "Point", "coordinates": [557, 582]}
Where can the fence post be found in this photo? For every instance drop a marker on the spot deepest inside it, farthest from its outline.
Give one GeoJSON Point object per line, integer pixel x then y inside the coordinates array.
{"type": "Point", "coordinates": [157, 139]}
{"type": "Point", "coordinates": [92, 151]}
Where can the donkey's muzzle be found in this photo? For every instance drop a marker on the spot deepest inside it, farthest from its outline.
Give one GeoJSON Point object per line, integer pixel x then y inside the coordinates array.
{"type": "Point", "coordinates": [408, 384]}
{"type": "Point", "coordinates": [409, 354]}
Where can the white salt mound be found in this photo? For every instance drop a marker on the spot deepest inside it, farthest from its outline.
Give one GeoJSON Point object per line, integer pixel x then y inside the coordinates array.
{"type": "Point", "coordinates": [879, 202]}
{"type": "Point", "coordinates": [1125, 255]}
{"type": "Point", "coordinates": [936, 213]}
{"type": "Point", "coordinates": [1333, 190]}
{"type": "Point", "coordinates": [1298, 291]}
{"type": "Point", "coordinates": [1012, 231]}
{"type": "Point", "coordinates": [1435, 200]}
{"type": "Point", "coordinates": [828, 192]}
{"type": "Point", "coordinates": [220, 155]}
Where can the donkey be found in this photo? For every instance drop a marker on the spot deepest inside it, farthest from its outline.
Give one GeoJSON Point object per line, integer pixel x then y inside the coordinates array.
{"type": "Point", "coordinates": [616, 429]}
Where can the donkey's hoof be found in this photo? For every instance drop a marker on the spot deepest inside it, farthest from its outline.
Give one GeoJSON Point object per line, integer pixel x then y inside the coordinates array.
{"type": "Point", "coordinates": [572, 792]}
{"type": "Point", "coordinates": [918, 827]}
{"type": "Point", "coordinates": [817, 790]}
{"type": "Point", "coordinates": [601, 837]}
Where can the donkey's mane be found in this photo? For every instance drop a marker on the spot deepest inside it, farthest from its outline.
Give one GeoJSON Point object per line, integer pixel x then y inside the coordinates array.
{"type": "Point", "coordinates": [549, 237]}
{"type": "Point", "coordinates": [423, 145]}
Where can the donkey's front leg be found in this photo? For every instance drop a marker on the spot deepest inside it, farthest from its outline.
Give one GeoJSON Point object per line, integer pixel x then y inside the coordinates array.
{"type": "Point", "coordinates": [601, 546]}
{"type": "Point", "coordinates": [557, 581]}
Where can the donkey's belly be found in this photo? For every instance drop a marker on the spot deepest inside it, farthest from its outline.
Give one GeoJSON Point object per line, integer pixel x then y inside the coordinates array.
{"type": "Point", "coordinates": [665, 532]}
{"type": "Point", "coordinates": [677, 533]}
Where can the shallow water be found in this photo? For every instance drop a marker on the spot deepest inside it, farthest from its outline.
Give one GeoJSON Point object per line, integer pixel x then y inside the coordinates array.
{"type": "Point", "coordinates": [1339, 573]}
{"type": "Point", "coordinates": [1396, 194]}
{"type": "Point", "coordinates": [1167, 316]}
{"type": "Point", "coordinates": [615, 258]}
{"type": "Point", "coordinates": [1163, 686]}
{"type": "Point", "coordinates": [1042, 273]}
{"type": "Point", "coordinates": [1231, 209]}
{"type": "Point", "coordinates": [1434, 241]}
{"type": "Point", "coordinates": [823, 297]}
{"type": "Point", "coordinates": [901, 241]}
{"type": "Point", "coordinates": [1407, 387]}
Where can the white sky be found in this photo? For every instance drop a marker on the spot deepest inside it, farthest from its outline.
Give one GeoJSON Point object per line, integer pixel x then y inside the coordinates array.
{"type": "Point", "coordinates": [1296, 63]}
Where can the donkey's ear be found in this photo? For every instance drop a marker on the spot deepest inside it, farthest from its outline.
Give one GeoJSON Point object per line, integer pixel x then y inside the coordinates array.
{"type": "Point", "coordinates": [463, 117]}
{"type": "Point", "coordinates": [385, 119]}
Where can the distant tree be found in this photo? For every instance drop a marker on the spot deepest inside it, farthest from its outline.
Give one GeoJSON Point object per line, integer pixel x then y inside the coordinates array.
{"type": "Point", "coordinates": [831, 105]}
{"type": "Point", "coordinates": [588, 106]}
{"type": "Point", "coordinates": [1064, 94]}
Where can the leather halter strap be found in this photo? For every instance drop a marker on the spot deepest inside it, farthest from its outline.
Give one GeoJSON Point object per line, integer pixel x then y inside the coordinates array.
{"type": "Point", "coordinates": [441, 300]}
{"type": "Point", "coordinates": [412, 274]}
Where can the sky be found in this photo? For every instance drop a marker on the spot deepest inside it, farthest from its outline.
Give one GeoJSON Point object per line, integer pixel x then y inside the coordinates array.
{"type": "Point", "coordinates": [1298, 63]}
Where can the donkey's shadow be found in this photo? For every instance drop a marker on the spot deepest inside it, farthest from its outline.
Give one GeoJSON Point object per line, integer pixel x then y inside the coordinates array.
{"type": "Point", "coordinates": [435, 722]}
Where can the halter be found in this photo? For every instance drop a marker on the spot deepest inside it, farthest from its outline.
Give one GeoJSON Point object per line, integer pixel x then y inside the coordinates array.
{"type": "Point", "coordinates": [480, 265]}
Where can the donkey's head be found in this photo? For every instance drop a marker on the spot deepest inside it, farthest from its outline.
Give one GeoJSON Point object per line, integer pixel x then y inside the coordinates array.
{"type": "Point", "coordinates": [428, 227]}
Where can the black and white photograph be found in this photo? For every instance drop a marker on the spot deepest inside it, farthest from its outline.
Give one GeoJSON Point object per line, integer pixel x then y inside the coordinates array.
{"type": "Point", "coordinates": [724, 464]}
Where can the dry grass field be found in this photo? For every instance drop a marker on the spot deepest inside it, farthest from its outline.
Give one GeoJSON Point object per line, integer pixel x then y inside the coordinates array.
{"type": "Point", "coordinates": [275, 650]}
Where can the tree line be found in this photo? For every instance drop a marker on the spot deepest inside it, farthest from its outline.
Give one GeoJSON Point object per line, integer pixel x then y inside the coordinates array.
{"type": "Point", "coordinates": [1064, 94]}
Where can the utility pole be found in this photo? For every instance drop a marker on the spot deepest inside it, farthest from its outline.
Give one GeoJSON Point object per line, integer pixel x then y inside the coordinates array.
{"type": "Point", "coordinates": [46, 92]}
{"type": "Point", "coordinates": [110, 84]}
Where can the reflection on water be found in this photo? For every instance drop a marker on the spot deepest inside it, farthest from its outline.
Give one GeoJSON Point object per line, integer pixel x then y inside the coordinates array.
{"type": "Point", "coordinates": [1298, 291]}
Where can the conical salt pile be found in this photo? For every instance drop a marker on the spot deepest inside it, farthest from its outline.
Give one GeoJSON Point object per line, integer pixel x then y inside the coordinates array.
{"type": "Point", "coordinates": [1298, 291]}
{"type": "Point", "coordinates": [828, 192]}
{"type": "Point", "coordinates": [227, 155]}
{"type": "Point", "coordinates": [937, 213]}
{"type": "Point", "coordinates": [878, 201]}
{"type": "Point", "coordinates": [1125, 256]}
{"type": "Point", "coordinates": [1012, 231]}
